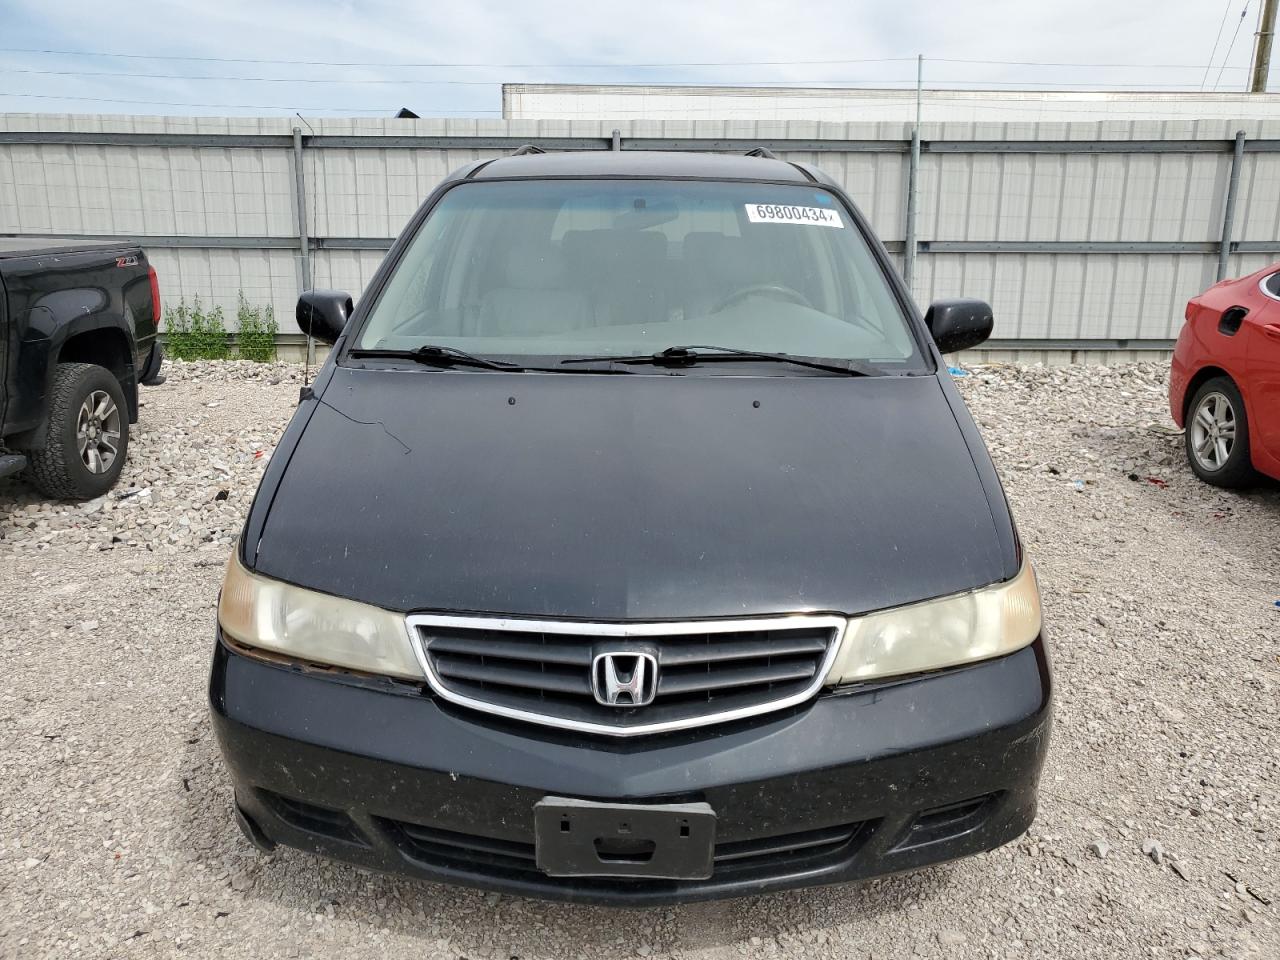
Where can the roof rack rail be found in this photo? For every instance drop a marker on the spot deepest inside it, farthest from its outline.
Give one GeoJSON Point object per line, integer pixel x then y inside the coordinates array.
{"type": "Point", "coordinates": [762, 152]}
{"type": "Point", "coordinates": [526, 149]}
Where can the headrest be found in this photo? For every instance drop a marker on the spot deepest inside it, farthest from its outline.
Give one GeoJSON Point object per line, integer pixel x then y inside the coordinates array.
{"type": "Point", "coordinates": [531, 267]}
{"type": "Point", "coordinates": [714, 252]}
{"type": "Point", "coordinates": [578, 246]}
{"type": "Point", "coordinates": [601, 249]}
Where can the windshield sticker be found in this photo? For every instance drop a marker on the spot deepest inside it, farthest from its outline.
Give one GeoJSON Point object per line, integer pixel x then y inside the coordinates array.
{"type": "Point", "coordinates": [782, 213]}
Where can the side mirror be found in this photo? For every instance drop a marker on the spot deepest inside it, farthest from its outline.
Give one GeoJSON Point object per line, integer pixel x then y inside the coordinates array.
{"type": "Point", "coordinates": [323, 313]}
{"type": "Point", "coordinates": [959, 324]}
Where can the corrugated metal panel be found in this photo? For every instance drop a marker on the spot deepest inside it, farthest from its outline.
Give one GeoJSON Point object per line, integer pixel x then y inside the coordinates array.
{"type": "Point", "coordinates": [1161, 197]}
{"type": "Point", "coordinates": [344, 269]}
{"type": "Point", "coordinates": [1074, 296]}
{"type": "Point", "coordinates": [147, 190]}
{"type": "Point", "coordinates": [361, 192]}
{"type": "Point", "coordinates": [217, 277]}
{"type": "Point", "coordinates": [1258, 206]}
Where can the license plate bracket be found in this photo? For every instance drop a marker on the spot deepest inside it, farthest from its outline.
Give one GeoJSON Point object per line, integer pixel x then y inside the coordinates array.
{"type": "Point", "coordinates": [582, 838]}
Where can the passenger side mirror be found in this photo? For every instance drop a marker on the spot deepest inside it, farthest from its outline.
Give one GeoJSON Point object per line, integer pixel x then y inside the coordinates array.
{"type": "Point", "coordinates": [959, 324]}
{"type": "Point", "coordinates": [324, 313]}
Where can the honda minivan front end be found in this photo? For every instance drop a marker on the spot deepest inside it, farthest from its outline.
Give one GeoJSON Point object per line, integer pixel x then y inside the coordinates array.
{"type": "Point", "coordinates": [633, 546]}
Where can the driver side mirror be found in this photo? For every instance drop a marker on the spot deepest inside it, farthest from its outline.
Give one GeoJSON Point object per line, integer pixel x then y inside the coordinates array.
{"type": "Point", "coordinates": [324, 313]}
{"type": "Point", "coordinates": [959, 324]}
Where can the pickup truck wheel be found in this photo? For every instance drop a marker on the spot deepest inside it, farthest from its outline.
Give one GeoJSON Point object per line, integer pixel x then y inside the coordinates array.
{"type": "Point", "coordinates": [88, 434]}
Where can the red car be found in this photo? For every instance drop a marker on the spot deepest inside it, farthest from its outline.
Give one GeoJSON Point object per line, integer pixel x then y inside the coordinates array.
{"type": "Point", "coordinates": [1224, 386]}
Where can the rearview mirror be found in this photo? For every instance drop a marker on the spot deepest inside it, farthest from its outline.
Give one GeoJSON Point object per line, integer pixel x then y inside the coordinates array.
{"type": "Point", "coordinates": [959, 324]}
{"type": "Point", "coordinates": [323, 313]}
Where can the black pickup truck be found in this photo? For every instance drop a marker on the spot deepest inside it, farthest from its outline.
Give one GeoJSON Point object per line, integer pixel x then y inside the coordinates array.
{"type": "Point", "coordinates": [78, 322]}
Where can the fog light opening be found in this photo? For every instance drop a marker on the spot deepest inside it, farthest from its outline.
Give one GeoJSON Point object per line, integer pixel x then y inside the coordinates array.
{"type": "Point", "coordinates": [947, 822]}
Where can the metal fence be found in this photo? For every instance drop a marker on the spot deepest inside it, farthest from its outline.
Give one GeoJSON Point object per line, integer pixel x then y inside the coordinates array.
{"type": "Point", "coordinates": [1083, 236]}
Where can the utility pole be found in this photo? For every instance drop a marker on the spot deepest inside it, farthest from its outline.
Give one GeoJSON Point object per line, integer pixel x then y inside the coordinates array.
{"type": "Point", "coordinates": [913, 176]}
{"type": "Point", "coordinates": [1262, 49]}
{"type": "Point", "coordinates": [920, 83]}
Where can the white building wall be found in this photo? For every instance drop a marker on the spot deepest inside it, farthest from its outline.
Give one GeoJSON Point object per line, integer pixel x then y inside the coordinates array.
{"type": "Point", "coordinates": [628, 102]}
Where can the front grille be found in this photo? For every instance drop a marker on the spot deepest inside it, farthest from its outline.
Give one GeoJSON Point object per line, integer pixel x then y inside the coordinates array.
{"type": "Point", "coordinates": [709, 671]}
{"type": "Point", "coordinates": [435, 847]}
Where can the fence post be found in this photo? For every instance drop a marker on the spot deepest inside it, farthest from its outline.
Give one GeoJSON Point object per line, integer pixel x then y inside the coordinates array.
{"type": "Point", "coordinates": [913, 173]}
{"type": "Point", "coordinates": [1229, 209]}
{"type": "Point", "coordinates": [304, 243]}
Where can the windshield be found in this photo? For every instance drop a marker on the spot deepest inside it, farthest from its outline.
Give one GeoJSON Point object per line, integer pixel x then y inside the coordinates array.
{"type": "Point", "coordinates": [568, 268]}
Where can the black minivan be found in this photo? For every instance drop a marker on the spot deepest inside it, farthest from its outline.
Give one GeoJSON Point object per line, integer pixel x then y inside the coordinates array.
{"type": "Point", "coordinates": [632, 546]}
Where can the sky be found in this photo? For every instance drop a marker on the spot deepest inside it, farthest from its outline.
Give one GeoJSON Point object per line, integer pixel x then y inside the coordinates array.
{"type": "Point", "coordinates": [371, 57]}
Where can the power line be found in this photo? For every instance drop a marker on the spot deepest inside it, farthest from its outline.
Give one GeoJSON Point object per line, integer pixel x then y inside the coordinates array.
{"type": "Point", "coordinates": [234, 106]}
{"type": "Point", "coordinates": [1216, 40]}
{"type": "Point", "coordinates": [781, 84]}
{"type": "Point", "coordinates": [597, 64]}
{"type": "Point", "coordinates": [1045, 63]}
{"type": "Point", "coordinates": [224, 77]}
{"type": "Point", "coordinates": [385, 63]}
{"type": "Point", "coordinates": [1231, 46]}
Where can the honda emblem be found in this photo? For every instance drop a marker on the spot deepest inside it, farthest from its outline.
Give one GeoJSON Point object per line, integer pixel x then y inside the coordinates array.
{"type": "Point", "coordinates": [624, 679]}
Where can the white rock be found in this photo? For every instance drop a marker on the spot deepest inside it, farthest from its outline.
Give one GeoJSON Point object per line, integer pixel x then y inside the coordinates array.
{"type": "Point", "coordinates": [1154, 850]}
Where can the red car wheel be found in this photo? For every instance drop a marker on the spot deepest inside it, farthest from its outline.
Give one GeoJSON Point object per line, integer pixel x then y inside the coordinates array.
{"type": "Point", "coordinates": [1217, 435]}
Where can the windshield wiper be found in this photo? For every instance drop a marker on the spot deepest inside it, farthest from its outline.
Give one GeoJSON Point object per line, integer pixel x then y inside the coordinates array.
{"type": "Point", "coordinates": [438, 356]}
{"type": "Point", "coordinates": [681, 355]}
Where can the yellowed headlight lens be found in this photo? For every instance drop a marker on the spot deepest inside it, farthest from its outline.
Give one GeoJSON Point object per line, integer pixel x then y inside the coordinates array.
{"type": "Point", "coordinates": [941, 633]}
{"type": "Point", "coordinates": [306, 625]}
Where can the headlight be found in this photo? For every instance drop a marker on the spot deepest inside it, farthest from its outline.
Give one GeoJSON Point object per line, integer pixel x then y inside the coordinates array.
{"type": "Point", "coordinates": [289, 620]}
{"type": "Point", "coordinates": [941, 633]}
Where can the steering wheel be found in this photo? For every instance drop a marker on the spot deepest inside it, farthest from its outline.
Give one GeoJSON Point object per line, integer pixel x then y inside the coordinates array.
{"type": "Point", "coordinates": [778, 290]}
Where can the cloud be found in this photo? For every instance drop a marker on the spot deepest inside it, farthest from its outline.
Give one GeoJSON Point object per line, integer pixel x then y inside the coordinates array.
{"type": "Point", "coordinates": [556, 32]}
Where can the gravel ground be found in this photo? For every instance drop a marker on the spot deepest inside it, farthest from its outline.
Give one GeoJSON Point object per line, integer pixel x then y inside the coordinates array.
{"type": "Point", "coordinates": [1160, 597]}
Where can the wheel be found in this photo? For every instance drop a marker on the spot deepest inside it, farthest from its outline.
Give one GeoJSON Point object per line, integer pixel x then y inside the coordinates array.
{"type": "Point", "coordinates": [1217, 435]}
{"type": "Point", "coordinates": [88, 434]}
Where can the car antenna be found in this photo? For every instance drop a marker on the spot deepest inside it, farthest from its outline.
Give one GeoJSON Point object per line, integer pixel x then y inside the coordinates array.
{"type": "Point", "coordinates": [526, 149]}
{"type": "Point", "coordinates": [764, 152]}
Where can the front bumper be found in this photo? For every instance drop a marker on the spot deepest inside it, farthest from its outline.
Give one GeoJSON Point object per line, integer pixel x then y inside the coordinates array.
{"type": "Point", "coordinates": [852, 785]}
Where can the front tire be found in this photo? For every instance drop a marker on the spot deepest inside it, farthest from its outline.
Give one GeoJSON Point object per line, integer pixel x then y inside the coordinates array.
{"type": "Point", "coordinates": [88, 436]}
{"type": "Point", "coordinates": [1217, 435]}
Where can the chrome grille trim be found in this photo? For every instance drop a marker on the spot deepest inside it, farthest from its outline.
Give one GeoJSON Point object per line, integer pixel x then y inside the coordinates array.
{"type": "Point", "coordinates": [835, 624]}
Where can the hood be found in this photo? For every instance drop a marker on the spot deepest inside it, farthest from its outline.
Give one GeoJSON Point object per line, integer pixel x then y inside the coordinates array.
{"type": "Point", "coordinates": [631, 497]}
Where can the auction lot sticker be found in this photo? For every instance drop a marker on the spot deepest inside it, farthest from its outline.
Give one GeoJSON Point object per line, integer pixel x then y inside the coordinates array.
{"type": "Point", "coordinates": [784, 213]}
